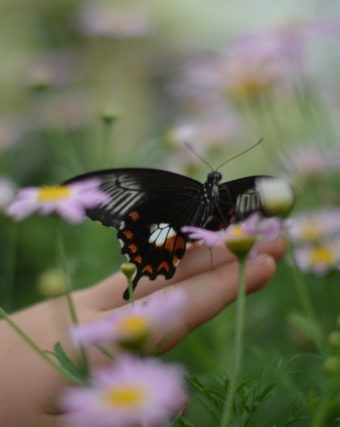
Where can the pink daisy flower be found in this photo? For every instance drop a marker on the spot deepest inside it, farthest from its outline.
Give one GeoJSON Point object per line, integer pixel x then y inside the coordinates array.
{"type": "Point", "coordinates": [254, 226]}
{"type": "Point", "coordinates": [315, 226]}
{"type": "Point", "coordinates": [68, 201]}
{"type": "Point", "coordinates": [132, 325]}
{"type": "Point", "coordinates": [319, 259]}
{"type": "Point", "coordinates": [130, 392]}
{"type": "Point", "coordinates": [240, 238]}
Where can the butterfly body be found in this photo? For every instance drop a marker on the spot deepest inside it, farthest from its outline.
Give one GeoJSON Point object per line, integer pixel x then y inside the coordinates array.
{"type": "Point", "coordinates": [149, 207]}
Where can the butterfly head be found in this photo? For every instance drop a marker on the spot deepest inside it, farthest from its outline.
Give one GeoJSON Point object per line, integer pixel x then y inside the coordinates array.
{"type": "Point", "coordinates": [214, 177]}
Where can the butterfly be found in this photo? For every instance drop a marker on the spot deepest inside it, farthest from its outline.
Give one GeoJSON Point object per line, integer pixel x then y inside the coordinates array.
{"type": "Point", "coordinates": [149, 207]}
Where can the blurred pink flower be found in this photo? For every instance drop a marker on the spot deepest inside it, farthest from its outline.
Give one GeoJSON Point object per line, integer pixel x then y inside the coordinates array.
{"type": "Point", "coordinates": [129, 393]}
{"type": "Point", "coordinates": [134, 323]}
{"type": "Point", "coordinates": [259, 62]}
{"type": "Point", "coordinates": [318, 259]}
{"type": "Point", "coordinates": [311, 160]}
{"type": "Point", "coordinates": [207, 131]}
{"type": "Point", "coordinates": [104, 19]}
{"type": "Point", "coordinates": [68, 201]}
{"type": "Point", "coordinates": [315, 226]}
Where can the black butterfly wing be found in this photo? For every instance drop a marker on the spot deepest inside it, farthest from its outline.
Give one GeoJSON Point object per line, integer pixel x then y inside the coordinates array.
{"type": "Point", "coordinates": [237, 200]}
{"type": "Point", "coordinates": [148, 207]}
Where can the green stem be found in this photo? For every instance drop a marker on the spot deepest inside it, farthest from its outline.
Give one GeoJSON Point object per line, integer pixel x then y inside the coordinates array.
{"type": "Point", "coordinates": [83, 359]}
{"type": "Point", "coordinates": [238, 347]}
{"type": "Point", "coordinates": [131, 290]}
{"type": "Point", "coordinates": [322, 412]}
{"type": "Point", "coordinates": [306, 303]}
{"type": "Point", "coordinates": [106, 154]}
{"type": "Point", "coordinates": [35, 347]}
{"type": "Point", "coordinates": [105, 351]}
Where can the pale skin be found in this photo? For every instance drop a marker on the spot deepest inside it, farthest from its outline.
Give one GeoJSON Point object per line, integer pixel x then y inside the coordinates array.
{"type": "Point", "coordinates": [29, 387]}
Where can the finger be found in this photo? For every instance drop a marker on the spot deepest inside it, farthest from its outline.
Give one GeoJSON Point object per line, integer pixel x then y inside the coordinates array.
{"type": "Point", "coordinates": [211, 292]}
{"type": "Point", "coordinates": [108, 293]}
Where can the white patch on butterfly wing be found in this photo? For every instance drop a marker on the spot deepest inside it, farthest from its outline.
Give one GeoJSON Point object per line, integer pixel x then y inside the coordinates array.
{"type": "Point", "coordinates": [125, 192]}
{"type": "Point", "coordinates": [160, 233]}
{"type": "Point", "coordinates": [247, 202]}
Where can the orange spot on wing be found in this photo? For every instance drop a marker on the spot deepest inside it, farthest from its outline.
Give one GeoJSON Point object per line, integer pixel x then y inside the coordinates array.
{"type": "Point", "coordinates": [138, 259]}
{"type": "Point", "coordinates": [134, 216]}
{"type": "Point", "coordinates": [173, 243]}
{"type": "Point", "coordinates": [147, 269]}
{"type": "Point", "coordinates": [128, 234]}
{"type": "Point", "coordinates": [169, 243]}
{"type": "Point", "coordinates": [180, 243]}
{"type": "Point", "coordinates": [163, 266]}
{"type": "Point", "coordinates": [133, 248]}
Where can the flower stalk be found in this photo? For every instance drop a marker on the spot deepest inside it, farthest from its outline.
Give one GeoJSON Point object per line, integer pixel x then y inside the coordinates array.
{"type": "Point", "coordinates": [307, 305]}
{"type": "Point", "coordinates": [238, 346]}
{"type": "Point", "coordinates": [83, 359]}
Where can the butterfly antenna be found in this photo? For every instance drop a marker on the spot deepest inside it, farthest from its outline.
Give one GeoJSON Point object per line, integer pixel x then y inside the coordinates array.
{"type": "Point", "coordinates": [240, 154]}
{"type": "Point", "coordinates": [190, 148]}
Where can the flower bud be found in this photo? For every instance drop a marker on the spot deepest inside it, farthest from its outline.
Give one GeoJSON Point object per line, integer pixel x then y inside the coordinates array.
{"type": "Point", "coordinates": [277, 196]}
{"type": "Point", "coordinates": [332, 365]}
{"type": "Point", "coordinates": [53, 283]}
{"type": "Point", "coordinates": [128, 269]}
{"type": "Point", "coordinates": [108, 116]}
{"type": "Point", "coordinates": [334, 338]}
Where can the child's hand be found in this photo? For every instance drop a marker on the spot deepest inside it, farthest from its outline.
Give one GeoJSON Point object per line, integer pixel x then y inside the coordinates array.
{"type": "Point", "coordinates": [29, 387]}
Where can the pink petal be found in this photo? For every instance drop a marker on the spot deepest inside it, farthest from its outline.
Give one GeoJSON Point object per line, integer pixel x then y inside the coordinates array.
{"type": "Point", "coordinates": [210, 238]}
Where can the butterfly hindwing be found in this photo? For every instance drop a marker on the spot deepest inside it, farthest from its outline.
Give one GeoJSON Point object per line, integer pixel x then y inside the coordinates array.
{"type": "Point", "coordinates": [154, 247]}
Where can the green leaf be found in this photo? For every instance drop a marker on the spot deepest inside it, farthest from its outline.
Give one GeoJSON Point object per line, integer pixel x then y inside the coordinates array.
{"type": "Point", "coordinates": [65, 361]}
{"type": "Point", "coordinates": [302, 323]}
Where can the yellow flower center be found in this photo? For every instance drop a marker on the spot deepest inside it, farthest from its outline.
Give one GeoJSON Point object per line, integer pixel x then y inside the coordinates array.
{"type": "Point", "coordinates": [310, 232]}
{"type": "Point", "coordinates": [322, 255]}
{"type": "Point", "coordinates": [134, 325]}
{"type": "Point", "coordinates": [124, 396]}
{"type": "Point", "coordinates": [53, 193]}
{"type": "Point", "coordinates": [237, 231]}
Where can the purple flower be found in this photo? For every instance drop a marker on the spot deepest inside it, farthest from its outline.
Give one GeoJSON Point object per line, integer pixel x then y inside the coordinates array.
{"type": "Point", "coordinates": [318, 259]}
{"type": "Point", "coordinates": [103, 19]}
{"type": "Point", "coordinates": [310, 161]}
{"type": "Point", "coordinates": [68, 201]}
{"type": "Point", "coordinates": [130, 392]}
{"type": "Point", "coordinates": [315, 226]}
{"type": "Point", "coordinates": [134, 323]}
{"type": "Point", "coordinates": [264, 228]}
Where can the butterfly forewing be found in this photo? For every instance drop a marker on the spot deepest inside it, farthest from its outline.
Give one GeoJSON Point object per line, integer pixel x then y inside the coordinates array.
{"type": "Point", "coordinates": [239, 198]}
